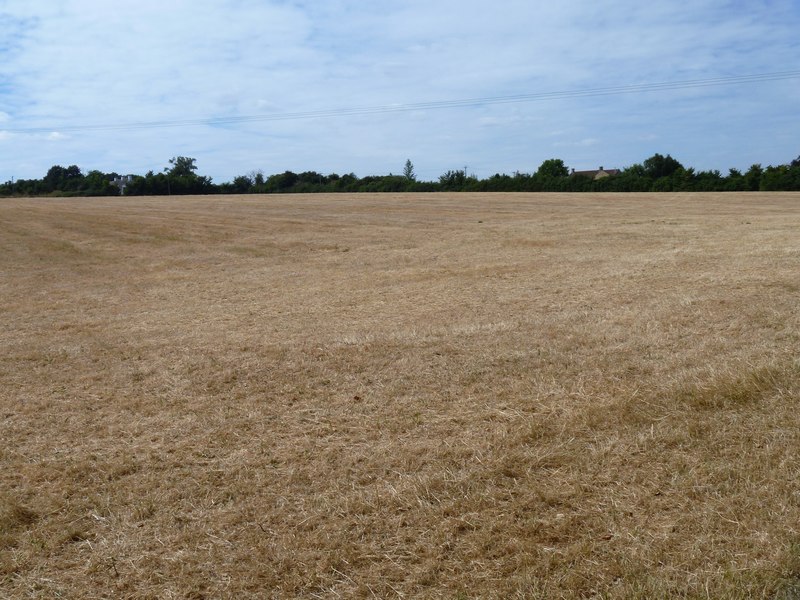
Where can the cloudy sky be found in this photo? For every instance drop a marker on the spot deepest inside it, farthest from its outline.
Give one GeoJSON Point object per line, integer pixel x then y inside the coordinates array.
{"type": "Point", "coordinates": [275, 85]}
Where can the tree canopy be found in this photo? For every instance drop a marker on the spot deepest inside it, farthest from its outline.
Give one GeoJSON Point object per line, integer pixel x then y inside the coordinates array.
{"type": "Point", "coordinates": [658, 166]}
{"type": "Point", "coordinates": [552, 168]}
{"type": "Point", "coordinates": [408, 171]}
{"type": "Point", "coordinates": [656, 173]}
{"type": "Point", "coordinates": [182, 166]}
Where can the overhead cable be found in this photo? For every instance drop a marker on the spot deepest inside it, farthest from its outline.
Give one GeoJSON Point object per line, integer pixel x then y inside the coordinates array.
{"type": "Point", "coordinates": [421, 106]}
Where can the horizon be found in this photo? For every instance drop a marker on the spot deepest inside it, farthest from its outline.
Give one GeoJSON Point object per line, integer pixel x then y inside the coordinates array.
{"type": "Point", "coordinates": [531, 172]}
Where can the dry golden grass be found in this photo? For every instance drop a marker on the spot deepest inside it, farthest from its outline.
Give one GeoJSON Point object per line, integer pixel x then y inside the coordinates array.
{"type": "Point", "coordinates": [440, 396]}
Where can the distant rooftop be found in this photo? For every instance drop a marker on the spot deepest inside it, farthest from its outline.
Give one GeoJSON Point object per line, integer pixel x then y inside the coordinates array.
{"type": "Point", "coordinates": [122, 181]}
{"type": "Point", "coordinates": [596, 174]}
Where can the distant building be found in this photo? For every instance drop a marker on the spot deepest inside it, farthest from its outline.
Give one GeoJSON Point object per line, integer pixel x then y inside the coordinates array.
{"type": "Point", "coordinates": [598, 174]}
{"type": "Point", "coordinates": [122, 181]}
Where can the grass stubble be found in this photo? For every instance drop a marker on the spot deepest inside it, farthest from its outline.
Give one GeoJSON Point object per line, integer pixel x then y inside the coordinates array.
{"type": "Point", "coordinates": [444, 396]}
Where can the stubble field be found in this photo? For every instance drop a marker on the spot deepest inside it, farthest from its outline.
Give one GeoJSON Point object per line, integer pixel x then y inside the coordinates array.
{"type": "Point", "coordinates": [440, 396]}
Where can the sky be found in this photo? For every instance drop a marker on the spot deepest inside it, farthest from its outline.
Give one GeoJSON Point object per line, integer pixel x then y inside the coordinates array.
{"type": "Point", "coordinates": [340, 86]}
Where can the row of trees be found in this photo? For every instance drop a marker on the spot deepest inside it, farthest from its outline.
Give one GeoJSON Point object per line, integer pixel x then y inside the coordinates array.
{"type": "Point", "coordinates": [656, 174]}
{"type": "Point", "coordinates": [63, 181]}
{"type": "Point", "coordinates": [178, 178]}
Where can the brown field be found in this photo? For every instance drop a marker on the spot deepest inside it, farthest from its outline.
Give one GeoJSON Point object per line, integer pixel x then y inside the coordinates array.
{"type": "Point", "coordinates": [437, 396]}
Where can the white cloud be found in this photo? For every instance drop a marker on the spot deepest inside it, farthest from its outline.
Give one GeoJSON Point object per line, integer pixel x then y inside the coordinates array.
{"type": "Point", "coordinates": [151, 60]}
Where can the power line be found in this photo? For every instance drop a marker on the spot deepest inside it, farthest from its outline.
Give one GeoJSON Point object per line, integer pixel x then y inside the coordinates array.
{"type": "Point", "coordinates": [434, 105]}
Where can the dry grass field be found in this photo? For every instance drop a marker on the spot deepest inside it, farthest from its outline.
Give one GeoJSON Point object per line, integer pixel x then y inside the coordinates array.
{"type": "Point", "coordinates": [415, 396]}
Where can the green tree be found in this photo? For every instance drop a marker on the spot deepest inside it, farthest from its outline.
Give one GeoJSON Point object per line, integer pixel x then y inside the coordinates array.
{"type": "Point", "coordinates": [283, 182]}
{"type": "Point", "coordinates": [552, 168]}
{"type": "Point", "coordinates": [632, 179]}
{"type": "Point", "coordinates": [408, 171]}
{"type": "Point", "coordinates": [242, 184]}
{"type": "Point", "coordinates": [658, 166]}
{"type": "Point", "coordinates": [452, 181]}
{"type": "Point", "coordinates": [752, 179]}
{"type": "Point", "coordinates": [734, 182]}
{"type": "Point", "coordinates": [63, 179]}
{"type": "Point", "coordinates": [181, 178]}
{"type": "Point", "coordinates": [97, 183]}
{"type": "Point", "coordinates": [346, 183]}
{"type": "Point", "coordinates": [182, 166]}
{"type": "Point", "coordinates": [257, 177]}
{"type": "Point", "coordinates": [781, 178]}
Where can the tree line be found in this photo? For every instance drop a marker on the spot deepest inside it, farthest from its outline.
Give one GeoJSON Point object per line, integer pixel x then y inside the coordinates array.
{"type": "Point", "coordinates": [656, 174]}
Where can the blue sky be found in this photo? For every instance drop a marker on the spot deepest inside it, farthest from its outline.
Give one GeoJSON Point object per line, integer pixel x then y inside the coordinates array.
{"type": "Point", "coordinates": [66, 65]}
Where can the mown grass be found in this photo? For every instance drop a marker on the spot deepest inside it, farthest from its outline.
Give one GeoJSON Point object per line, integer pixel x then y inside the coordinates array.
{"type": "Point", "coordinates": [503, 396]}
